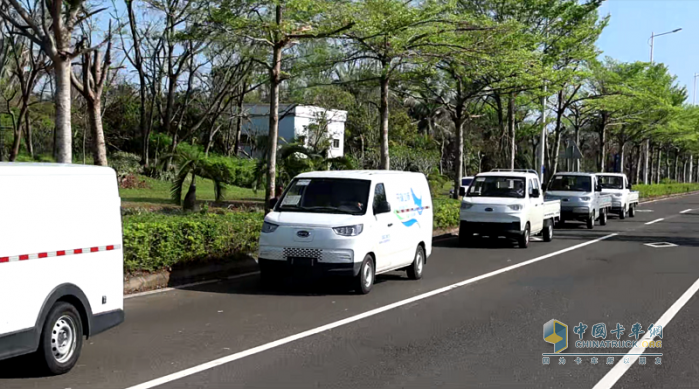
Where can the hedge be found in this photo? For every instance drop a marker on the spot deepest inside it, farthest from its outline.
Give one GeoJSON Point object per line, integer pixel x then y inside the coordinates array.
{"type": "Point", "coordinates": [446, 213]}
{"type": "Point", "coordinates": [648, 191]}
{"type": "Point", "coordinates": [154, 241]}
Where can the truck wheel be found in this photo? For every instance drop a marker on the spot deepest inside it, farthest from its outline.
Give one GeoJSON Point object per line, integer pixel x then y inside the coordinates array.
{"type": "Point", "coordinates": [591, 221]}
{"type": "Point", "coordinates": [523, 240]}
{"type": "Point", "coordinates": [365, 279]}
{"type": "Point", "coordinates": [632, 211]}
{"type": "Point", "coordinates": [548, 232]}
{"type": "Point", "coordinates": [603, 218]}
{"type": "Point", "coordinates": [415, 269]}
{"type": "Point", "coordinates": [622, 214]}
{"type": "Point", "coordinates": [61, 339]}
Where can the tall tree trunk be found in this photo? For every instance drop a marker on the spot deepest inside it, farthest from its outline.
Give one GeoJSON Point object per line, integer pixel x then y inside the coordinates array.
{"type": "Point", "coordinates": [602, 144]}
{"type": "Point", "coordinates": [275, 80]}
{"type": "Point", "coordinates": [458, 158]}
{"type": "Point", "coordinates": [622, 146]}
{"type": "Point", "coordinates": [511, 129]}
{"type": "Point", "coordinates": [28, 134]}
{"type": "Point", "coordinates": [64, 136]}
{"type": "Point", "coordinates": [684, 169]}
{"type": "Point", "coordinates": [691, 166]}
{"type": "Point", "coordinates": [660, 160]}
{"type": "Point", "coordinates": [169, 108]}
{"type": "Point", "coordinates": [143, 121]}
{"type": "Point", "coordinates": [639, 163]}
{"type": "Point", "coordinates": [16, 135]}
{"type": "Point", "coordinates": [385, 159]}
{"type": "Point", "coordinates": [577, 143]}
{"type": "Point", "coordinates": [646, 166]}
{"type": "Point", "coordinates": [99, 149]}
{"type": "Point", "coordinates": [239, 121]}
{"type": "Point", "coordinates": [677, 161]}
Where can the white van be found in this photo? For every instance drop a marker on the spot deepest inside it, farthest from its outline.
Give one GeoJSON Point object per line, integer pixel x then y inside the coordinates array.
{"type": "Point", "coordinates": [61, 259]}
{"type": "Point", "coordinates": [349, 223]}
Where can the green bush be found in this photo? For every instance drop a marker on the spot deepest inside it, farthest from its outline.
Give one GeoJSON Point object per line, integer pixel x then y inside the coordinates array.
{"type": "Point", "coordinates": [648, 191]}
{"type": "Point", "coordinates": [446, 213]}
{"type": "Point", "coordinates": [154, 241]}
{"type": "Point", "coordinates": [125, 163]}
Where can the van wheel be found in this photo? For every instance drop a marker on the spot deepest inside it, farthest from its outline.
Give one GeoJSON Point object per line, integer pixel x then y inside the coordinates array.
{"type": "Point", "coordinates": [523, 240]}
{"type": "Point", "coordinates": [465, 237]}
{"type": "Point", "coordinates": [61, 339]}
{"type": "Point", "coordinates": [591, 221]}
{"type": "Point", "coordinates": [415, 269]}
{"type": "Point", "coordinates": [603, 218]}
{"type": "Point", "coordinates": [548, 232]}
{"type": "Point", "coordinates": [632, 211]}
{"type": "Point", "coordinates": [365, 279]}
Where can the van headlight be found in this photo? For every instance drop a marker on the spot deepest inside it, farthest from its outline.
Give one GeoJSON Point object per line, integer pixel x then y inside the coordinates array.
{"type": "Point", "coordinates": [349, 230]}
{"type": "Point", "coordinates": [268, 227]}
{"type": "Point", "coordinates": [466, 205]}
{"type": "Point", "coordinates": [584, 199]}
{"type": "Point", "coordinates": [516, 207]}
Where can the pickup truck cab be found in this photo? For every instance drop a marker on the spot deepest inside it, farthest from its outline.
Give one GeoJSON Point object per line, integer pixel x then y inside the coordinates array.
{"type": "Point", "coordinates": [581, 198]}
{"type": "Point", "coordinates": [506, 203]}
{"type": "Point", "coordinates": [624, 200]}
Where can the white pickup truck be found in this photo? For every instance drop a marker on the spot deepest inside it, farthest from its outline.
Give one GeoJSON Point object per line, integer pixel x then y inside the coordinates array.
{"type": "Point", "coordinates": [506, 203]}
{"type": "Point", "coordinates": [624, 200]}
{"type": "Point", "coordinates": [581, 197]}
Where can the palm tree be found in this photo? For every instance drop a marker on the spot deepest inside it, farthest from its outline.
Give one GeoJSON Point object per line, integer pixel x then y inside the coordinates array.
{"type": "Point", "coordinates": [197, 165]}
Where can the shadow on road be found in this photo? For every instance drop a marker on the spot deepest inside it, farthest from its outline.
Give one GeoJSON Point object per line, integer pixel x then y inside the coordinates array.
{"type": "Point", "coordinates": [20, 367]}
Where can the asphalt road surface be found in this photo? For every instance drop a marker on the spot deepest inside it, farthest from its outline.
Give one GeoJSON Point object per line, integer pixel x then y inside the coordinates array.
{"type": "Point", "coordinates": [474, 320]}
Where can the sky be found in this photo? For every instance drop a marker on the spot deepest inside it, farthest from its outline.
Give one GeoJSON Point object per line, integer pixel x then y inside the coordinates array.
{"type": "Point", "coordinates": [631, 23]}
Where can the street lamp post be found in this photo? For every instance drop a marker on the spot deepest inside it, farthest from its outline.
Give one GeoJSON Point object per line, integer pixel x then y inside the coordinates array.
{"type": "Point", "coordinates": [647, 156]}
{"type": "Point", "coordinates": [694, 98]}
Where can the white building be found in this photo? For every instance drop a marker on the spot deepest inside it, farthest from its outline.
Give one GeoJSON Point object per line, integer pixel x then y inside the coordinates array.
{"type": "Point", "coordinates": [294, 125]}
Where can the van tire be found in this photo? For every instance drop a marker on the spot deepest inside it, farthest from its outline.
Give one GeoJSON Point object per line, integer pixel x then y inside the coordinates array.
{"type": "Point", "coordinates": [632, 211]}
{"type": "Point", "coordinates": [548, 231]}
{"type": "Point", "coordinates": [364, 281]}
{"type": "Point", "coordinates": [465, 237]}
{"type": "Point", "coordinates": [591, 221]}
{"type": "Point", "coordinates": [603, 218]}
{"type": "Point", "coordinates": [63, 324]}
{"type": "Point", "coordinates": [523, 239]}
{"type": "Point", "coordinates": [415, 269]}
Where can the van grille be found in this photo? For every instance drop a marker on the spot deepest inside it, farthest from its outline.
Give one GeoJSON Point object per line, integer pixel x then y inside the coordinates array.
{"type": "Point", "coordinates": [292, 252]}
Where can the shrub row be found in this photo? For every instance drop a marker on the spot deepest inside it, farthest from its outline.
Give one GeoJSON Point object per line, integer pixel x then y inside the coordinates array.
{"type": "Point", "coordinates": [648, 191]}
{"type": "Point", "coordinates": [154, 241]}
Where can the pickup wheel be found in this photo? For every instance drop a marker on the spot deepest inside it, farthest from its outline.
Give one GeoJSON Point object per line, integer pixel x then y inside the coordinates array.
{"type": "Point", "coordinates": [632, 210]}
{"type": "Point", "coordinates": [415, 269]}
{"type": "Point", "coordinates": [622, 214]}
{"type": "Point", "coordinates": [603, 218]}
{"type": "Point", "coordinates": [61, 339]}
{"type": "Point", "coordinates": [591, 221]}
{"type": "Point", "coordinates": [548, 231]}
{"type": "Point", "coordinates": [523, 240]}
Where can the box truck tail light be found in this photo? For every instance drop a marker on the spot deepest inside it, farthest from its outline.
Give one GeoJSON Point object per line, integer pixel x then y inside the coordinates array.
{"type": "Point", "coordinates": [60, 253]}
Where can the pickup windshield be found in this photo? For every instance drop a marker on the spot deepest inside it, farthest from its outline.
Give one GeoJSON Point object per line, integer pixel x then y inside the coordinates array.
{"type": "Point", "coordinates": [611, 182]}
{"type": "Point", "coordinates": [493, 186]}
{"type": "Point", "coordinates": [571, 183]}
{"type": "Point", "coordinates": [326, 195]}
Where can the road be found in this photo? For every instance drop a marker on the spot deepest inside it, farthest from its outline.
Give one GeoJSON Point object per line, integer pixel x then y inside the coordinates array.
{"type": "Point", "coordinates": [448, 330]}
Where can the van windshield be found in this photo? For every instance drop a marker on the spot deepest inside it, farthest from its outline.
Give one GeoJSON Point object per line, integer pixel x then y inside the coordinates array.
{"type": "Point", "coordinates": [326, 195]}
{"type": "Point", "coordinates": [494, 186]}
{"type": "Point", "coordinates": [611, 182]}
{"type": "Point", "coordinates": [571, 183]}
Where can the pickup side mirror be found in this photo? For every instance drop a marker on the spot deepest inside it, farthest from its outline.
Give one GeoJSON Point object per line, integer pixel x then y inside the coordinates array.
{"type": "Point", "coordinates": [273, 202]}
{"type": "Point", "coordinates": [598, 188]}
{"type": "Point", "coordinates": [462, 191]}
{"type": "Point", "coordinates": [382, 207]}
{"type": "Point", "coordinates": [630, 187]}
{"type": "Point", "coordinates": [535, 193]}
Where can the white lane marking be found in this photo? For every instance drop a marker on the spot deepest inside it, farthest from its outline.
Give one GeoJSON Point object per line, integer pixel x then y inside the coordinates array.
{"type": "Point", "coordinates": [686, 210]}
{"type": "Point", "coordinates": [256, 350]}
{"type": "Point", "coordinates": [655, 221]}
{"type": "Point", "coordinates": [185, 286]}
{"type": "Point", "coordinates": [620, 368]}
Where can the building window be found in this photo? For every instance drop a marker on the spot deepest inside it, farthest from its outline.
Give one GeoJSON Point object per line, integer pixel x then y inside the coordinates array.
{"type": "Point", "coordinates": [336, 143]}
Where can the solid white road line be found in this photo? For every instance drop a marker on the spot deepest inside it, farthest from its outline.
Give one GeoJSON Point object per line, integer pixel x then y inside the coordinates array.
{"type": "Point", "coordinates": [655, 221]}
{"type": "Point", "coordinates": [620, 368]}
{"type": "Point", "coordinates": [185, 286]}
{"type": "Point", "coordinates": [256, 350]}
{"type": "Point", "coordinates": [686, 210]}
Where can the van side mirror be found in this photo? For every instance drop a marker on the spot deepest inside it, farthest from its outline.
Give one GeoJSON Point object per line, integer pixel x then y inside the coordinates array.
{"type": "Point", "coordinates": [382, 207]}
{"type": "Point", "coordinates": [535, 193]}
{"type": "Point", "coordinates": [462, 191]}
{"type": "Point", "coordinates": [272, 202]}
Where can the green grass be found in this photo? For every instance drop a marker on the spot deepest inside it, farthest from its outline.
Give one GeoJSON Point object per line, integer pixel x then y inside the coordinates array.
{"type": "Point", "coordinates": [657, 190]}
{"type": "Point", "coordinates": [159, 192]}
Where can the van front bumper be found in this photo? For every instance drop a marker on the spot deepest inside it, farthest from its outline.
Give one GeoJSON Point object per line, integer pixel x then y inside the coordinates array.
{"type": "Point", "coordinates": [308, 266]}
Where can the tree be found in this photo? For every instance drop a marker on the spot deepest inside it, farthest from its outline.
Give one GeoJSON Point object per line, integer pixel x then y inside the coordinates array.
{"type": "Point", "coordinates": [50, 25]}
{"type": "Point", "coordinates": [194, 165]}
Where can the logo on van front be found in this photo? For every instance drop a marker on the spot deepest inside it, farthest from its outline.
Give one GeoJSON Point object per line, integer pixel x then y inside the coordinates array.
{"type": "Point", "coordinates": [303, 234]}
{"type": "Point", "coordinates": [489, 209]}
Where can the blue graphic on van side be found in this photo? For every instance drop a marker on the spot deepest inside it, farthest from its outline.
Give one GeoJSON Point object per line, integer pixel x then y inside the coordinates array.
{"type": "Point", "coordinates": [418, 209]}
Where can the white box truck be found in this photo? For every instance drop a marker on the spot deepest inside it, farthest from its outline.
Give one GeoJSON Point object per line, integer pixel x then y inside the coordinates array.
{"type": "Point", "coordinates": [355, 224]}
{"type": "Point", "coordinates": [507, 203]}
{"type": "Point", "coordinates": [61, 259]}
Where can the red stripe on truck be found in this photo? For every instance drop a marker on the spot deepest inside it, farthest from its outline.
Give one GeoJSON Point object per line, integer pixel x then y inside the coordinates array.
{"type": "Point", "coordinates": [59, 253]}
